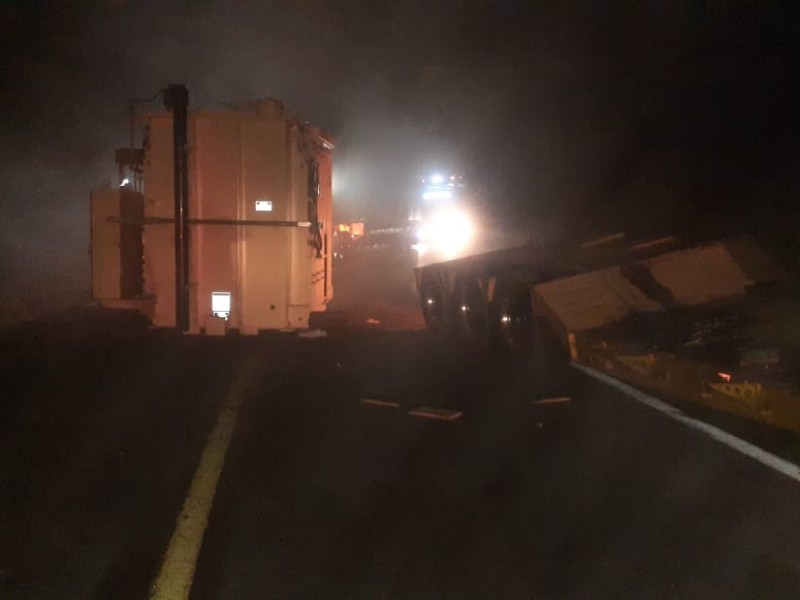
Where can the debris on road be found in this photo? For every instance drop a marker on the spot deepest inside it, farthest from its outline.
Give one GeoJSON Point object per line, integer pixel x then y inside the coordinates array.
{"type": "Point", "coordinates": [716, 329]}
{"type": "Point", "coordinates": [441, 414]}
{"type": "Point", "coordinates": [313, 333]}
{"type": "Point", "coordinates": [374, 402]}
{"type": "Point", "coordinates": [559, 400]}
{"type": "Point", "coordinates": [760, 357]}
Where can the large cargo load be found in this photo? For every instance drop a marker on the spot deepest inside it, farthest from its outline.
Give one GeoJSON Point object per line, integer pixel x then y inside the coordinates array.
{"type": "Point", "coordinates": [259, 216]}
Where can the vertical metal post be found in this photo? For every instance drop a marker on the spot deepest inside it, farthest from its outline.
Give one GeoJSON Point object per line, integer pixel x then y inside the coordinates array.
{"type": "Point", "coordinates": [176, 99]}
{"type": "Point", "coordinates": [325, 266]}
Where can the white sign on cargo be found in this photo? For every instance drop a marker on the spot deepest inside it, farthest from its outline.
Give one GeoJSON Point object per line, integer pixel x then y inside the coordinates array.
{"type": "Point", "coordinates": [263, 205]}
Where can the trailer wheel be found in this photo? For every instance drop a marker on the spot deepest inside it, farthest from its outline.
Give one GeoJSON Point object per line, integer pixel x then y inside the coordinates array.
{"type": "Point", "coordinates": [514, 319]}
{"type": "Point", "coordinates": [434, 302]}
{"type": "Point", "coordinates": [471, 310]}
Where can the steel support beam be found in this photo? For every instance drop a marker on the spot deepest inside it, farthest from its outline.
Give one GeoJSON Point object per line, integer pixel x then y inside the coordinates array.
{"type": "Point", "coordinates": [176, 99]}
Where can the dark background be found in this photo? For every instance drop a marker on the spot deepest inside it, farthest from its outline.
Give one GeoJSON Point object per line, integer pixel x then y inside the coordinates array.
{"type": "Point", "coordinates": [566, 117]}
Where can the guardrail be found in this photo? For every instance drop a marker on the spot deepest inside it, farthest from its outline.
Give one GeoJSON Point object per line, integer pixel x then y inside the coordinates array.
{"type": "Point", "coordinates": [690, 380]}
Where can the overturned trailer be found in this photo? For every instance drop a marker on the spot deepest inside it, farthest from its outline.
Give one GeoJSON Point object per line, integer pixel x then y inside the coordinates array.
{"type": "Point", "coordinates": [224, 224]}
{"type": "Point", "coordinates": [541, 297]}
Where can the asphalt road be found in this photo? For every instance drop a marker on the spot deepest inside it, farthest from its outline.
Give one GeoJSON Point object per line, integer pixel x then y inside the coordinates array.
{"type": "Point", "coordinates": [323, 495]}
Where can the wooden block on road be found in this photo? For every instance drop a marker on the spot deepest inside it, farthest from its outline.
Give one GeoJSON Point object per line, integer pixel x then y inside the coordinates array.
{"type": "Point", "coordinates": [375, 402]}
{"type": "Point", "coordinates": [559, 400]}
{"type": "Point", "coordinates": [440, 414]}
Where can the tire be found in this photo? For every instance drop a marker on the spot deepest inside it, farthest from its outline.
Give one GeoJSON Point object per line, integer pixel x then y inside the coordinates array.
{"type": "Point", "coordinates": [514, 322]}
{"type": "Point", "coordinates": [471, 312]}
{"type": "Point", "coordinates": [434, 302]}
{"type": "Point", "coordinates": [520, 333]}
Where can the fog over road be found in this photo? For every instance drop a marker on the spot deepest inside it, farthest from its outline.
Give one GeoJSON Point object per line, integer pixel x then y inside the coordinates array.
{"type": "Point", "coordinates": [329, 487]}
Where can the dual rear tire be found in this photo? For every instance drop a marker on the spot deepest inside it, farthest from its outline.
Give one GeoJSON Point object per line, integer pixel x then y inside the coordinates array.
{"type": "Point", "coordinates": [464, 314]}
{"type": "Point", "coordinates": [461, 314]}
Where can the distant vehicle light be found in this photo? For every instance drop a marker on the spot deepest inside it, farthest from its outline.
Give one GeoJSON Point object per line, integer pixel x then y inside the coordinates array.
{"type": "Point", "coordinates": [437, 179]}
{"type": "Point", "coordinates": [725, 376]}
{"type": "Point", "coordinates": [446, 233]}
{"type": "Point", "coordinates": [437, 195]}
{"type": "Point", "coordinates": [125, 182]}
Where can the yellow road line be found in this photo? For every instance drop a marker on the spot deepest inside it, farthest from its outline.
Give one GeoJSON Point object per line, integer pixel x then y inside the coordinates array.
{"type": "Point", "coordinates": [174, 581]}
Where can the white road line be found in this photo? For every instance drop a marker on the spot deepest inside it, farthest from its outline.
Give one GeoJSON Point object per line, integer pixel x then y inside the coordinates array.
{"type": "Point", "coordinates": [560, 400]}
{"type": "Point", "coordinates": [174, 581]}
{"type": "Point", "coordinates": [374, 402]}
{"type": "Point", "coordinates": [776, 463]}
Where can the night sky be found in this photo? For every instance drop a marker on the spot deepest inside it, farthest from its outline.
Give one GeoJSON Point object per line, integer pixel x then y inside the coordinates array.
{"type": "Point", "coordinates": [570, 117]}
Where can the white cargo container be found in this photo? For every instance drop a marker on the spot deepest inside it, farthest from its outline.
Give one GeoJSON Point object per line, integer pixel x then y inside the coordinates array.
{"type": "Point", "coordinates": [260, 221]}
